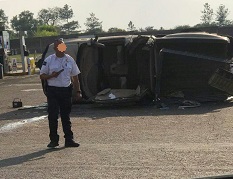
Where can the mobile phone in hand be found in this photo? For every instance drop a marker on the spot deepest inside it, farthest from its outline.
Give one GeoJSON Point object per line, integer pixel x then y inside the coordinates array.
{"type": "Point", "coordinates": [60, 71]}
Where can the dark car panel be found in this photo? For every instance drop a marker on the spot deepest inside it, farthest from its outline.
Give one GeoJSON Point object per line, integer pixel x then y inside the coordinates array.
{"type": "Point", "coordinates": [120, 63]}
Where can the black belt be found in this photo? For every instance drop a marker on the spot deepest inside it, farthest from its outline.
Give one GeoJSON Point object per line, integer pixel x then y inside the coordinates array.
{"type": "Point", "coordinates": [61, 88]}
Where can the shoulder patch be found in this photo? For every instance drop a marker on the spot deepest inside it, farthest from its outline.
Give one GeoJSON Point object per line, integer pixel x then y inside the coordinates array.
{"type": "Point", "coordinates": [44, 63]}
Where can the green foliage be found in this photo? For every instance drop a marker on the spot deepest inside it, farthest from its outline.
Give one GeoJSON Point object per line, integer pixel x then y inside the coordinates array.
{"type": "Point", "coordinates": [54, 20]}
{"type": "Point", "coordinates": [221, 15]}
{"type": "Point", "coordinates": [66, 13]}
{"type": "Point", "coordinates": [220, 19]}
{"type": "Point", "coordinates": [70, 26]}
{"type": "Point", "coordinates": [3, 17]}
{"type": "Point", "coordinates": [44, 16]}
{"type": "Point", "coordinates": [131, 26]}
{"type": "Point", "coordinates": [45, 33]}
{"type": "Point", "coordinates": [3, 20]}
{"type": "Point", "coordinates": [182, 27]}
{"type": "Point", "coordinates": [147, 29]}
{"type": "Point", "coordinates": [24, 22]}
{"type": "Point", "coordinates": [207, 14]}
{"type": "Point", "coordinates": [93, 25]}
{"type": "Point", "coordinates": [18, 57]}
{"type": "Point", "coordinates": [115, 29]}
{"type": "Point", "coordinates": [213, 24]}
{"type": "Point", "coordinates": [13, 35]}
{"type": "Point", "coordinates": [47, 19]}
{"type": "Point", "coordinates": [161, 28]}
{"type": "Point", "coordinates": [46, 30]}
{"type": "Point", "coordinates": [49, 16]}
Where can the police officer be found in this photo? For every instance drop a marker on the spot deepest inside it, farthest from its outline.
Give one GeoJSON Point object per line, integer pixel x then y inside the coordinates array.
{"type": "Point", "coordinates": [58, 69]}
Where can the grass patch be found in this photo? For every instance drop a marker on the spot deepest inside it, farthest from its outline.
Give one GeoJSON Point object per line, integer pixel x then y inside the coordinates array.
{"type": "Point", "coordinates": [18, 57]}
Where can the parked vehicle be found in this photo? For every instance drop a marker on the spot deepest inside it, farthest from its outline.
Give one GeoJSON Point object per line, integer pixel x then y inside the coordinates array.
{"type": "Point", "coordinates": [129, 68]}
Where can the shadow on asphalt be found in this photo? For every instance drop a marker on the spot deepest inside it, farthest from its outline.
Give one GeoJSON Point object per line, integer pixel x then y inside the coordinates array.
{"type": "Point", "coordinates": [95, 111]}
{"type": "Point", "coordinates": [28, 157]}
{"type": "Point", "coordinates": [23, 114]}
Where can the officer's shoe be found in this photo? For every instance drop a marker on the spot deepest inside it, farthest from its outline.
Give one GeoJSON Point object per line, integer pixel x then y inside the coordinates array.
{"type": "Point", "coordinates": [52, 144]}
{"type": "Point", "coordinates": [71, 143]}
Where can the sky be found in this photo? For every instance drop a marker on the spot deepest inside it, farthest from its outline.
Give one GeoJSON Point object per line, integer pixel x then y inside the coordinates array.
{"type": "Point", "coordinates": [118, 13]}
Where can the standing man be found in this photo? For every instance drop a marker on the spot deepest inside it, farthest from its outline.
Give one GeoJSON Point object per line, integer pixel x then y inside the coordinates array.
{"type": "Point", "coordinates": [58, 69]}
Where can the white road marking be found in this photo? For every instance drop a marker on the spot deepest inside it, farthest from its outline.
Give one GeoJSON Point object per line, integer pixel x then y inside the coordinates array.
{"type": "Point", "coordinates": [32, 84]}
{"type": "Point", "coordinates": [29, 90]}
{"type": "Point", "coordinates": [10, 126]}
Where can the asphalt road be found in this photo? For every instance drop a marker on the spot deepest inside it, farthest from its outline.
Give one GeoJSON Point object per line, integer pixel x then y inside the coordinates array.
{"type": "Point", "coordinates": [116, 142]}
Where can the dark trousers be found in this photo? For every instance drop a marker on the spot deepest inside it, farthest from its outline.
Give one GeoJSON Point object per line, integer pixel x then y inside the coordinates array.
{"type": "Point", "coordinates": [59, 102]}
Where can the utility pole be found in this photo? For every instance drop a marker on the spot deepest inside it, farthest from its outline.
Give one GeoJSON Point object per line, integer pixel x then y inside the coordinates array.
{"type": "Point", "coordinates": [22, 43]}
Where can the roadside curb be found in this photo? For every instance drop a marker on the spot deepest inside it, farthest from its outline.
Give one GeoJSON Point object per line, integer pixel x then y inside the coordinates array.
{"type": "Point", "coordinates": [21, 73]}
{"type": "Point", "coordinates": [16, 74]}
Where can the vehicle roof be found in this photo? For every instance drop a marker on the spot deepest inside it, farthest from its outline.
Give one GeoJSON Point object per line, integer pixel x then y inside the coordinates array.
{"type": "Point", "coordinates": [117, 37]}
{"type": "Point", "coordinates": [76, 40]}
{"type": "Point", "coordinates": [72, 45]}
{"type": "Point", "coordinates": [123, 39]}
{"type": "Point", "coordinates": [196, 35]}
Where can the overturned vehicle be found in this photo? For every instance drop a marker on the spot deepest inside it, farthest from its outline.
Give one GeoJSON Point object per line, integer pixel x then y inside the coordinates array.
{"type": "Point", "coordinates": [130, 68]}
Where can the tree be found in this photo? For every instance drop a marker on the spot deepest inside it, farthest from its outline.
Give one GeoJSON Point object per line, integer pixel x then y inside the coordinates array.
{"type": "Point", "coordinates": [24, 22]}
{"type": "Point", "coordinates": [221, 16]}
{"type": "Point", "coordinates": [131, 26]}
{"type": "Point", "coordinates": [70, 26]}
{"type": "Point", "coordinates": [49, 16]}
{"type": "Point", "coordinates": [115, 29]}
{"type": "Point", "coordinates": [93, 25]}
{"type": "Point", "coordinates": [66, 13]}
{"type": "Point", "coordinates": [207, 14]}
{"type": "Point", "coordinates": [201, 25]}
{"type": "Point", "coordinates": [3, 19]}
{"type": "Point", "coordinates": [147, 29]}
{"type": "Point", "coordinates": [13, 35]}
{"type": "Point", "coordinates": [141, 30]}
{"type": "Point", "coordinates": [182, 27]}
{"type": "Point", "coordinates": [46, 30]}
{"type": "Point", "coordinates": [44, 16]}
{"type": "Point", "coordinates": [161, 28]}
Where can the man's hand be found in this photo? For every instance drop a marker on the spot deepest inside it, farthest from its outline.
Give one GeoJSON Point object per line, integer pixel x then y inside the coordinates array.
{"type": "Point", "coordinates": [78, 93]}
{"type": "Point", "coordinates": [55, 74]}
{"type": "Point", "coordinates": [78, 96]}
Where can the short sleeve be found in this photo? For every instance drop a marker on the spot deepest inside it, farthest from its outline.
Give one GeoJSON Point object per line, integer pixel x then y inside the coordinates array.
{"type": "Point", "coordinates": [75, 70]}
{"type": "Point", "coordinates": [45, 67]}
